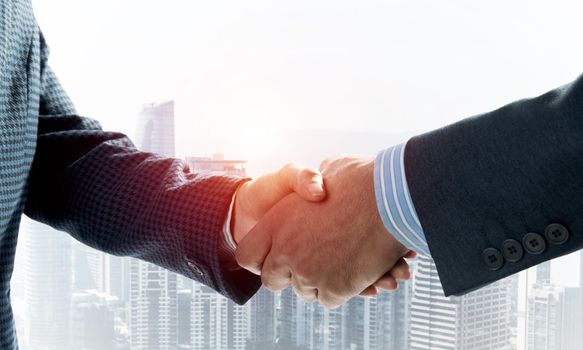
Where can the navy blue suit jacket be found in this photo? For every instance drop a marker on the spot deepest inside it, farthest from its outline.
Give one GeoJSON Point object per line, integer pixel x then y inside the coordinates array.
{"type": "Point", "coordinates": [502, 191]}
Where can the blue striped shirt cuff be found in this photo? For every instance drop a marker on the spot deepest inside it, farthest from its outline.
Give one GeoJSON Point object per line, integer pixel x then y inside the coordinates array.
{"type": "Point", "coordinates": [394, 200]}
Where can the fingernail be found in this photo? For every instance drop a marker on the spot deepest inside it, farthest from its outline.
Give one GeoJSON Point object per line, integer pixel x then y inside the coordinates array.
{"type": "Point", "coordinates": [315, 189]}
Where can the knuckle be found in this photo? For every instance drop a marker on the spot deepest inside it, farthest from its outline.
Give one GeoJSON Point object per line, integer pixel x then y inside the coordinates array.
{"type": "Point", "coordinates": [270, 284]}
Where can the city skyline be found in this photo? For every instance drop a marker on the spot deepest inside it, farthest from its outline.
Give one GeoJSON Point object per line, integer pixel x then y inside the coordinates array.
{"type": "Point", "coordinates": [78, 298]}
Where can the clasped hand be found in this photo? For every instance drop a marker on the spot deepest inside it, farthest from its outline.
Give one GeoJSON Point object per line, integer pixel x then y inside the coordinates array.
{"type": "Point", "coordinates": [319, 232]}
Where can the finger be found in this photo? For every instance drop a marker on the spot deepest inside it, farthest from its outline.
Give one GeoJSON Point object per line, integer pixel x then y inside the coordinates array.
{"type": "Point", "coordinates": [370, 291]}
{"type": "Point", "coordinates": [307, 294]}
{"type": "Point", "coordinates": [387, 282]}
{"type": "Point", "coordinates": [255, 246]}
{"type": "Point", "coordinates": [410, 255]}
{"type": "Point", "coordinates": [275, 275]}
{"type": "Point", "coordinates": [400, 270]}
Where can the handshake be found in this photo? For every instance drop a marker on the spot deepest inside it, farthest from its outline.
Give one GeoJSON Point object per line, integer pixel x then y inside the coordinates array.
{"type": "Point", "coordinates": [318, 232]}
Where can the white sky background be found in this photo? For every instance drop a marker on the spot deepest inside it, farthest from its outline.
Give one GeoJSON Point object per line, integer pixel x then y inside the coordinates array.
{"type": "Point", "coordinates": [242, 71]}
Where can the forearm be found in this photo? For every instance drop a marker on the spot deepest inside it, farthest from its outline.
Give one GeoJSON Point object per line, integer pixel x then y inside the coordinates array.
{"type": "Point", "coordinates": [497, 177]}
{"type": "Point", "coordinates": [99, 188]}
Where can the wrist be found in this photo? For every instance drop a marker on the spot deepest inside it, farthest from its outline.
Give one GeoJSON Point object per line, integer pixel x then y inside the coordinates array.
{"type": "Point", "coordinates": [241, 224]}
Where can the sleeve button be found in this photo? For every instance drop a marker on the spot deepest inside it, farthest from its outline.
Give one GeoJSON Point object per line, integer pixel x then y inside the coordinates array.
{"type": "Point", "coordinates": [492, 258]}
{"type": "Point", "coordinates": [512, 250]}
{"type": "Point", "coordinates": [556, 234]}
{"type": "Point", "coordinates": [533, 243]}
{"type": "Point", "coordinates": [194, 268]}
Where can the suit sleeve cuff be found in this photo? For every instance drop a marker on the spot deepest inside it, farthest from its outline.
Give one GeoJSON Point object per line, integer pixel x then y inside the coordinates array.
{"type": "Point", "coordinates": [394, 200]}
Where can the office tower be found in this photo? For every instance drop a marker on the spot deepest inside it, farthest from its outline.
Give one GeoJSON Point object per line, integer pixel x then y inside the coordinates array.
{"type": "Point", "coordinates": [478, 320]}
{"type": "Point", "coordinates": [359, 329]}
{"type": "Point", "coordinates": [153, 290]}
{"type": "Point", "coordinates": [581, 269]}
{"type": "Point", "coordinates": [262, 321]}
{"type": "Point", "coordinates": [47, 286]}
{"type": "Point", "coordinates": [393, 317]}
{"type": "Point", "coordinates": [155, 129]}
{"type": "Point", "coordinates": [89, 268]}
{"type": "Point", "coordinates": [296, 321]}
{"type": "Point", "coordinates": [117, 277]}
{"type": "Point", "coordinates": [217, 322]}
{"type": "Point", "coordinates": [544, 317]}
{"type": "Point", "coordinates": [184, 317]}
{"type": "Point", "coordinates": [217, 165]}
{"type": "Point", "coordinates": [153, 298]}
{"type": "Point", "coordinates": [326, 327]}
{"type": "Point", "coordinates": [543, 272]}
{"type": "Point", "coordinates": [554, 319]}
{"type": "Point", "coordinates": [92, 320]}
{"type": "Point", "coordinates": [572, 319]}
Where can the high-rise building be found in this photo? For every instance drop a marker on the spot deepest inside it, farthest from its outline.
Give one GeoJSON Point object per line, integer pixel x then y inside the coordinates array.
{"type": "Point", "coordinates": [360, 324]}
{"type": "Point", "coordinates": [393, 313]}
{"type": "Point", "coordinates": [478, 320]}
{"type": "Point", "coordinates": [117, 277]}
{"type": "Point", "coordinates": [554, 319]}
{"type": "Point", "coordinates": [184, 317]}
{"type": "Point", "coordinates": [217, 165]}
{"type": "Point", "coordinates": [217, 323]}
{"type": "Point", "coordinates": [153, 290]}
{"type": "Point", "coordinates": [572, 319]}
{"type": "Point", "coordinates": [296, 321]}
{"type": "Point", "coordinates": [544, 317]}
{"type": "Point", "coordinates": [89, 272]}
{"type": "Point", "coordinates": [543, 272]}
{"type": "Point", "coordinates": [262, 320]}
{"type": "Point", "coordinates": [47, 285]}
{"type": "Point", "coordinates": [153, 299]}
{"type": "Point", "coordinates": [155, 129]}
{"type": "Point", "coordinates": [92, 320]}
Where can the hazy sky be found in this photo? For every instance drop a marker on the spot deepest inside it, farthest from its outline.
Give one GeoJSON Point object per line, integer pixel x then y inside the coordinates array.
{"type": "Point", "coordinates": [242, 71]}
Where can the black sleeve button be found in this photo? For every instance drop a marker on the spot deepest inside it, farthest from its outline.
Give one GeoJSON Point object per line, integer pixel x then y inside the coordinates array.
{"type": "Point", "coordinates": [492, 258]}
{"type": "Point", "coordinates": [512, 250]}
{"type": "Point", "coordinates": [556, 234]}
{"type": "Point", "coordinates": [534, 243]}
{"type": "Point", "coordinates": [194, 268]}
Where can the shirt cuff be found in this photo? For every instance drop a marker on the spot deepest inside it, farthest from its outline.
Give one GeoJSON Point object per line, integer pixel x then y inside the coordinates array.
{"type": "Point", "coordinates": [230, 243]}
{"type": "Point", "coordinates": [394, 200]}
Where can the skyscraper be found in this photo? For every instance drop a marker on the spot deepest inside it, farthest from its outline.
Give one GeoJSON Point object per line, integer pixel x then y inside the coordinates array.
{"type": "Point", "coordinates": [153, 301]}
{"type": "Point", "coordinates": [155, 129]}
{"type": "Point", "coordinates": [92, 325]}
{"type": "Point", "coordinates": [478, 320]}
{"type": "Point", "coordinates": [262, 320]}
{"type": "Point", "coordinates": [543, 272]}
{"type": "Point", "coordinates": [47, 286]}
{"type": "Point", "coordinates": [153, 290]}
{"type": "Point", "coordinates": [217, 322]}
{"type": "Point", "coordinates": [296, 321]}
{"type": "Point", "coordinates": [544, 317]}
{"type": "Point", "coordinates": [393, 313]}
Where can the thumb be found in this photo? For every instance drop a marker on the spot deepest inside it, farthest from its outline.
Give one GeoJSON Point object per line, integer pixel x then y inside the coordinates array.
{"type": "Point", "coordinates": [304, 181]}
{"type": "Point", "coordinates": [257, 196]}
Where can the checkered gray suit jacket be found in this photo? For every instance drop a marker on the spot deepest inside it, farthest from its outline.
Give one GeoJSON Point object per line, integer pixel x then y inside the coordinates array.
{"type": "Point", "coordinates": [64, 170]}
